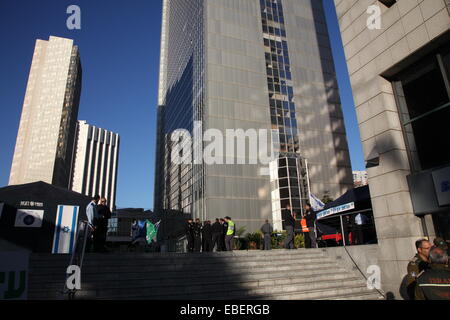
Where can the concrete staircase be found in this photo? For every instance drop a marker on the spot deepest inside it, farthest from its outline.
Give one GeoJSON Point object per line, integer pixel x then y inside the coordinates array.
{"type": "Point", "coordinates": [277, 274]}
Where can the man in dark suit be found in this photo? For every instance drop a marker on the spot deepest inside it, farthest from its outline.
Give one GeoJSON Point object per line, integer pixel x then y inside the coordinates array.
{"type": "Point", "coordinates": [310, 217]}
{"type": "Point", "coordinates": [101, 226]}
{"type": "Point", "coordinates": [190, 235]}
{"type": "Point", "coordinates": [217, 232]}
{"type": "Point", "coordinates": [207, 237]}
{"type": "Point", "coordinates": [197, 235]}
{"type": "Point", "coordinates": [289, 223]}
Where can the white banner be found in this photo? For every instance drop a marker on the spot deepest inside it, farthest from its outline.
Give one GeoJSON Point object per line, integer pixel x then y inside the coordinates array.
{"type": "Point", "coordinates": [26, 218]}
{"type": "Point", "coordinates": [65, 229]}
{"type": "Point", "coordinates": [14, 275]}
{"type": "Point", "coordinates": [334, 210]}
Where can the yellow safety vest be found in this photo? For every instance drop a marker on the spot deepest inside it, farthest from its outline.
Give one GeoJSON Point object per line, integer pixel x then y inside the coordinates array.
{"type": "Point", "coordinates": [230, 230]}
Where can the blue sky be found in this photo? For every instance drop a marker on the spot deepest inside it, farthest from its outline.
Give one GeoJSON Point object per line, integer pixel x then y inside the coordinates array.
{"type": "Point", "coordinates": [119, 47]}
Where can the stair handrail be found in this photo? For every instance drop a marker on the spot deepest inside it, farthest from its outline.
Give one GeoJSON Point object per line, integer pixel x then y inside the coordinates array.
{"type": "Point", "coordinates": [77, 256]}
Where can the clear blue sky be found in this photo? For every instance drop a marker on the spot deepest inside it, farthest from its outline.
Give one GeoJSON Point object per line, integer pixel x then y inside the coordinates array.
{"type": "Point", "coordinates": [119, 46]}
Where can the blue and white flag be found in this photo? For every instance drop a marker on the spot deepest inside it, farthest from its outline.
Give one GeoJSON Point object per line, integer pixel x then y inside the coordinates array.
{"type": "Point", "coordinates": [316, 204]}
{"type": "Point", "coordinates": [65, 229]}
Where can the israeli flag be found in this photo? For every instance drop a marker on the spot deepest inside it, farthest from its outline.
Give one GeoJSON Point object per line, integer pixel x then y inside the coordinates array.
{"type": "Point", "coordinates": [316, 204]}
{"type": "Point", "coordinates": [65, 229]}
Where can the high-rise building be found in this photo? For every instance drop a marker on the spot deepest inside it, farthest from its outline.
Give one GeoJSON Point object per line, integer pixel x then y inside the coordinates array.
{"type": "Point", "coordinates": [95, 164]}
{"type": "Point", "coordinates": [46, 133]}
{"type": "Point", "coordinates": [250, 65]}
{"type": "Point", "coordinates": [398, 57]}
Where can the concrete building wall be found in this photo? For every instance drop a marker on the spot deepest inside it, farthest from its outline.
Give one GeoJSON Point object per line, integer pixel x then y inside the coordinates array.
{"type": "Point", "coordinates": [95, 162]}
{"type": "Point", "coordinates": [43, 146]}
{"type": "Point", "coordinates": [406, 26]}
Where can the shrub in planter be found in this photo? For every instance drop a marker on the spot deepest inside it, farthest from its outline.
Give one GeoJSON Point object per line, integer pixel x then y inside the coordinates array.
{"type": "Point", "coordinates": [299, 240]}
{"type": "Point", "coordinates": [254, 240]}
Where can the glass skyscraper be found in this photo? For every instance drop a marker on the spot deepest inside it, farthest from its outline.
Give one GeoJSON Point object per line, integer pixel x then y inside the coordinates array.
{"type": "Point", "coordinates": [250, 65]}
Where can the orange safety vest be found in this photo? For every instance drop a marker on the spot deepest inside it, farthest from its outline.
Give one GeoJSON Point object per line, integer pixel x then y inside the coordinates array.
{"type": "Point", "coordinates": [304, 226]}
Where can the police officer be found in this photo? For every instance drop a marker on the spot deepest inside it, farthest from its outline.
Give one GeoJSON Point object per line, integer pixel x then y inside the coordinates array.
{"type": "Point", "coordinates": [197, 235]}
{"type": "Point", "coordinates": [217, 233]}
{"type": "Point", "coordinates": [189, 230]}
{"type": "Point", "coordinates": [207, 237]}
{"type": "Point", "coordinates": [418, 264]}
{"type": "Point", "coordinates": [434, 283]}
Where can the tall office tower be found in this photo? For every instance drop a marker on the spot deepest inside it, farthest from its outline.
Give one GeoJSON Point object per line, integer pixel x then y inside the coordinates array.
{"type": "Point", "coordinates": [250, 65]}
{"type": "Point", "coordinates": [95, 162]}
{"type": "Point", "coordinates": [46, 133]}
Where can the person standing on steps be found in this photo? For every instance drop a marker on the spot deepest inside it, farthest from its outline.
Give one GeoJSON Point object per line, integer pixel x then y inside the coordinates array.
{"type": "Point", "coordinates": [92, 215]}
{"type": "Point", "coordinates": [190, 235]}
{"type": "Point", "coordinates": [217, 232]}
{"type": "Point", "coordinates": [267, 230]}
{"type": "Point", "coordinates": [104, 214]}
{"type": "Point", "coordinates": [310, 217]}
{"type": "Point", "coordinates": [207, 237]}
{"type": "Point", "coordinates": [197, 235]}
{"type": "Point", "coordinates": [224, 233]}
{"type": "Point", "coordinates": [289, 223]}
{"type": "Point", "coordinates": [230, 233]}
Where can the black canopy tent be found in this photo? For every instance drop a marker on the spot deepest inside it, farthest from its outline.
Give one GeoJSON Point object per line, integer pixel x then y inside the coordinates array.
{"type": "Point", "coordinates": [330, 218]}
{"type": "Point", "coordinates": [35, 196]}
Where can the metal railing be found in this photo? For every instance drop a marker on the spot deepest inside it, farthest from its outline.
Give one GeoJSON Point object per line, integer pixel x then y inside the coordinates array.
{"type": "Point", "coordinates": [77, 256]}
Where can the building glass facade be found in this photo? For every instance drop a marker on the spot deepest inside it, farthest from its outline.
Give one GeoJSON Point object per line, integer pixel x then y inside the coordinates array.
{"type": "Point", "coordinates": [249, 65]}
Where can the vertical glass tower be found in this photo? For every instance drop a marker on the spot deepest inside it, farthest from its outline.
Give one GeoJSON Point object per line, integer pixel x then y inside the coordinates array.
{"type": "Point", "coordinates": [250, 65]}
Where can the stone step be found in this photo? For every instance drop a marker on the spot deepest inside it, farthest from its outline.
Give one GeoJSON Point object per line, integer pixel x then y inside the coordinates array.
{"type": "Point", "coordinates": [306, 271]}
{"type": "Point", "coordinates": [193, 285]}
{"type": "Point", "coordinates": [210, 268]}
{"type": "Point", "coordinates": [318, 288]}
{"type": "Point", "coordinates": [370, 295]}
{"type": "Point", "coordinates": [90, 261]}
{"type": "Point", "coordinates": [322, 293]}
{"type": "Point", "coordinates": [205, 271]}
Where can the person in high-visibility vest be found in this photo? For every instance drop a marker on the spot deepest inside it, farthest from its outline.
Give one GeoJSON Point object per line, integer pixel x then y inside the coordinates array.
{"type": "Point", "coordinates": [230, 234]}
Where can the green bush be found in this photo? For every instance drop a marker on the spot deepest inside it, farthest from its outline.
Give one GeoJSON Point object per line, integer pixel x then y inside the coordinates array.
{"type": "Point", "coordinates": [278, 239]}
{"type": "Point", "coordinates": [254, 238]}
{"type": "Point", "coordinates": [299, 241]}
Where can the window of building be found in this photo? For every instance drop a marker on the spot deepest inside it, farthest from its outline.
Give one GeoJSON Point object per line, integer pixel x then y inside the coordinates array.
{"type": "Point", "coordinates": [423, 98]}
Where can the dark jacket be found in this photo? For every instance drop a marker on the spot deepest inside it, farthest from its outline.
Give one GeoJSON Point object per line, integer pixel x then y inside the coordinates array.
{"type": "Point", "coordinates": [288, 219]}
{"type": "Point", "coordinates": [197, 230]}
{"type": "Point", "coordinates": [310, 217]}
{"type": "Point", "coordinates": [266, 228]}
{"type": "Point", "coordinates": [216, 228]}
{"type": "Point", "coordinates": [434, 283]}
{"type": "Point", "coordinates": [207, 230]}
{"type": "Point", "coordinates": [189, 230]}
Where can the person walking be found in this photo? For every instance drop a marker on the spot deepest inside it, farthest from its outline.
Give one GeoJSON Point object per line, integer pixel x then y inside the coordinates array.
{"type": "Point", "coordinates": [289, 224]}
{"type": "Point", "coordinates": [310, 217]}
{"type": "Point", "coordinates": [434, 283]}
{"type": "Point", "coordinates": [207, 237]}
{"type": "Point", "coordinates": [104, 214]}
{"type": "Point", "coordinates": [92, 215]}
{"type": "Point", "coordinates": [267, 230]}
{"type": "Point", "coordinates": [197, 235]}
{"type": "Point", "coordinates": [217, 232]}
{"type": "Point", "coordinates": [419, 263]}
{"type": "Point", "coordinates": [230, 234]}
{"type": "Point", "coordinates": [189, 231]}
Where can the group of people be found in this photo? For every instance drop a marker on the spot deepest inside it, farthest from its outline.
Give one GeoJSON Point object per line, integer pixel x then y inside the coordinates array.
{"type": "Point", "coordinates": [288, 216]}
{"type": "Point", "coordinates": [428, 275]}
{"type": "Point", "coordinates": [98, 214]}
{"type": "Point", "coordinates": [206, 237]}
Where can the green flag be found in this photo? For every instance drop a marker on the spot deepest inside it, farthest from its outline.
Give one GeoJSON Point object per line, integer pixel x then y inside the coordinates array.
{"type": "Point", "coordinates": [151, 232]}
